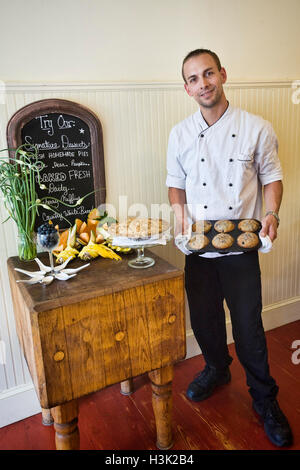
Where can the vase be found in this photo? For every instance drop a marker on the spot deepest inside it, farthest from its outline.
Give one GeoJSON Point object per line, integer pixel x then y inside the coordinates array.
{"type": "Point", "coordinates": [26, 246]}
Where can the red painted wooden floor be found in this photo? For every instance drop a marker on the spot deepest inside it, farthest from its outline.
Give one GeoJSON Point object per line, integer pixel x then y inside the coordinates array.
{"type": "Point", "coordinates": [109, 420]}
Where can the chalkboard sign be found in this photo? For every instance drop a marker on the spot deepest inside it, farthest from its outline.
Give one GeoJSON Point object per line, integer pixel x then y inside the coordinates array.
{"type": "Point", "coordinates": [64, 146]}
{"type": "Point", "coordinates": [69, 142]}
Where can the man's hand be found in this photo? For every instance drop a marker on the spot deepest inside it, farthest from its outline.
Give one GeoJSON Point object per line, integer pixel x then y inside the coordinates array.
{"type": "Point", "coordinates": [181, 227]}
{"type": "Point", "coordinates": [269, 227]}
{"type": "Point", "coordinates": [177, 198]}
{"type": "Point", "coordinates": [272, 195]}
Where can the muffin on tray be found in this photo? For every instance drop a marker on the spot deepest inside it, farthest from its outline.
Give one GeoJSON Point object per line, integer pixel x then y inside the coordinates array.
{"type": "Point", "coordinates": [222, 241]}
{"type": "Point", "coordinates": [198, 242]}
{"type": "Point", "coordinates": [224, 226]}
{"type": "Point", "coordinates": [249, 225]}
{"type": "Point", "coordinates": [201, 226]}
{"type": "Point", "coordinates": [248, 240]}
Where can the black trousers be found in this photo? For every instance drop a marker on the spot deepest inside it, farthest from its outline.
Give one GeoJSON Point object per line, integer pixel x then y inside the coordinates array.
{"type": "Point", "coordinates": [237, 279]}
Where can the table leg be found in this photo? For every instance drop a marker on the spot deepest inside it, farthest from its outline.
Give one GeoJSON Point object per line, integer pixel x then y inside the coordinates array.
{"type": "Point", "coordinates": [161, 382]}
{"type": "Point", "coordinates": [47, 418]}
{"type": "Point", "coordinates": [65, 423]}
{"type": "Point", "coordinates": [127, 387]}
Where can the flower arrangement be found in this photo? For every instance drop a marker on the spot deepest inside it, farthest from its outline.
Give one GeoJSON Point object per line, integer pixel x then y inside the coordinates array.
{"type": "Point", "coordinates": [18, 181]}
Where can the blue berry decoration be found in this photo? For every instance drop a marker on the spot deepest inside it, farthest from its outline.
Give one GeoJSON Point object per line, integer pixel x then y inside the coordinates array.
{"type": "Point", "coordinates": [48, 236]}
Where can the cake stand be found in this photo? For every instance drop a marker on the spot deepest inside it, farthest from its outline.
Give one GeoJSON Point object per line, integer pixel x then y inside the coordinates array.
{"type": "Point", "coordinates": [141, 261]}
{"type": "Point", "coordinates": [139, 244]}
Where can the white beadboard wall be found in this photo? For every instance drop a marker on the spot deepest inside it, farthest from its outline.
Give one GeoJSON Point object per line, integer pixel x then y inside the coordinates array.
{"type": "Point", "coordinates": [136, 120]}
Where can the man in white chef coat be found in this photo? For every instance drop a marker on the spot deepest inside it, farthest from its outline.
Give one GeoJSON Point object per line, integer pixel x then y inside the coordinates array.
{"type": "Point", "coordinates": [220, 161]}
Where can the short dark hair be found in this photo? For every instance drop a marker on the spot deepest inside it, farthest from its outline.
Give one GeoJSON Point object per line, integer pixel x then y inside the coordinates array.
{"type": "Point", "coordinates": [197, 52]}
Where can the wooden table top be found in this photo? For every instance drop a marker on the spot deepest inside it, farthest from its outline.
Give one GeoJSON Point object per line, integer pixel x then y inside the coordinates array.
{"type": "Point", "coordinates": [102, 277]}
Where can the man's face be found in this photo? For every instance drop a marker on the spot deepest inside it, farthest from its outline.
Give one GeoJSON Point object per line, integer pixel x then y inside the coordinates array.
{"type": "Point", "coordinates": [204, 82]}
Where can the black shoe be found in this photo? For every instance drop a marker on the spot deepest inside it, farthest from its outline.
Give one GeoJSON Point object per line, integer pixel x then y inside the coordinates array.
{"type": "Point", "coordinates": [276, 425]}
{"type": "Point", "coordinates": [205, 383]}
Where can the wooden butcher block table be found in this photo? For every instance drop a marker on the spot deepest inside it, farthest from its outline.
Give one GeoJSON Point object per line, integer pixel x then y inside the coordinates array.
{"type": "Point", "coordinates": [108, 324]}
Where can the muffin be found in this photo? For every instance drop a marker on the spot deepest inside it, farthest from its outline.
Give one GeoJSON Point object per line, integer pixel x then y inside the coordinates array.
{"type": "Point", "coordinates": [248, 240]}
{"type": "Point", "coordinates": [224, 226]}
{"type": "Point", "coordinates": [198, 242]}
{"type": "Point", "coordinates": [201, 226]}
{"type": "Point", "coordinates": [222, 241]}
{"type": "Point", "coordinates": [249, 225]}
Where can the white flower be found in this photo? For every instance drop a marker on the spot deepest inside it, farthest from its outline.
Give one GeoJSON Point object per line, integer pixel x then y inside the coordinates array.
{"type": "Point", "coordinates": [79, 201]}
{"type": "Point", "coordinates": [42, 186]}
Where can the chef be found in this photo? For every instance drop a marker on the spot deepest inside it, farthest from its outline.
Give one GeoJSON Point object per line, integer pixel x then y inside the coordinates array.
{"type": "Point", "coordinates": [221, 160]}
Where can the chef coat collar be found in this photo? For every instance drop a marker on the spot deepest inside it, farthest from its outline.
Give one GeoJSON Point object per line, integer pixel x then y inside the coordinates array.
{"type": "Point", "coordinates": [204, 124]}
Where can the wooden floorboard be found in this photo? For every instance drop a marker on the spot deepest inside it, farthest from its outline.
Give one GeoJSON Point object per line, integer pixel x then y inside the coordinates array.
{"type": "Point", "coordinates": [225, 421]}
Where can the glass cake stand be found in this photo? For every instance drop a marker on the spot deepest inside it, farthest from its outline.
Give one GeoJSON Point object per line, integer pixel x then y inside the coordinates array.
{"type": "Point", "coordinates": [141, 261]}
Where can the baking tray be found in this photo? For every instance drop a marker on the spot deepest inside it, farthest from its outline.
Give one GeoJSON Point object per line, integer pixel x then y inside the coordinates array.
{"type": "Point", "coordinates": [234, 233]}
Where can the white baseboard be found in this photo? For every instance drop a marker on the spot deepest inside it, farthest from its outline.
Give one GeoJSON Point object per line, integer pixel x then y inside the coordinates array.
{"type": "Point", "coordinates": [21, 402]}
{"type": "Point", "coordinates": [273, 316]}
{"type": "Point", "coordinates": [18, 403]}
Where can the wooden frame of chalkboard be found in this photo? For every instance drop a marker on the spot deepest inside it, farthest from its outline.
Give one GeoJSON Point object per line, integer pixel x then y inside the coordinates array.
{"type": "Point", "coordinates": [56, 120]}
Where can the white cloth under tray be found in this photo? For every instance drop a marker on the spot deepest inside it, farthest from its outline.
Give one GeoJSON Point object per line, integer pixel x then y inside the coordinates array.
{"type": "Point", "coordinates": [129, 242]}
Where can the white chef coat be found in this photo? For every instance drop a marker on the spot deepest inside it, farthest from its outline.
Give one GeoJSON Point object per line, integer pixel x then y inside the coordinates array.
{"type": "Point", "coordinates": [223, 167]}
